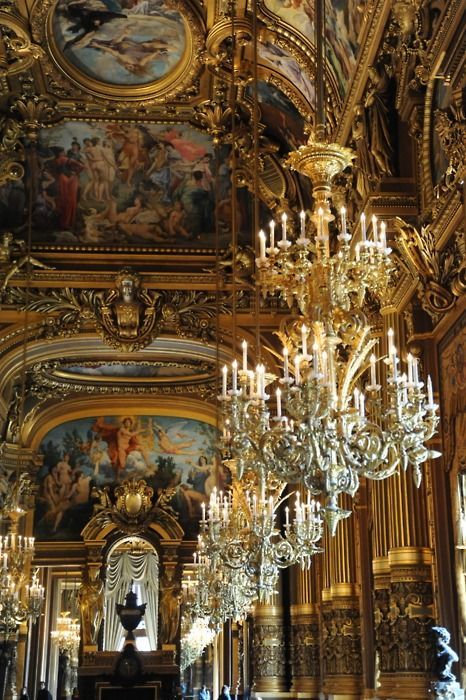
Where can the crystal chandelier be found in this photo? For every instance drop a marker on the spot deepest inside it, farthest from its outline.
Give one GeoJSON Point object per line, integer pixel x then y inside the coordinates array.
{"type": "Point", "coordinates": [67, 634]}
{"type": "Point", "coordinates": [19, 600]}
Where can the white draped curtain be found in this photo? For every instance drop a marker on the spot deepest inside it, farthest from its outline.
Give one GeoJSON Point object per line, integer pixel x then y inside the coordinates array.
{"type": "Point", "coordinates": [122, 569]}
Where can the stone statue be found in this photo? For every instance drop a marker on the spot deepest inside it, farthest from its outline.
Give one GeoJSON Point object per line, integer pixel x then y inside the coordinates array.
{"type": "Point", "coordinates": [377, 105]}
{"type": "Point", "coordinates": [445, 656]}
{"type": "Point", "coordinates": [365, 172]}
{"type": "Point", "coordinates": [91, 605]}
{"type": "Point", "coordinates": [169, 607]}
{"type": "Point", "coordinates": [127, 314]}
{"type": "Point", "coordinates": [11, 265]}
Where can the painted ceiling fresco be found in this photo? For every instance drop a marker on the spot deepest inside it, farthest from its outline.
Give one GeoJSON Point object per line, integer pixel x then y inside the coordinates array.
{"type": "Point", "coordinates": [121, 42]}
{"type": "Point", "coordinates": [343, 22]}
{"type": "Point", "coordinates": [284, 122]}
{"type": "Point", "coordinates": [116, 184]}
{"type": "Point", "coordinates": [100, 451]}
{"type": "Point", "coordinates": [278, 59]}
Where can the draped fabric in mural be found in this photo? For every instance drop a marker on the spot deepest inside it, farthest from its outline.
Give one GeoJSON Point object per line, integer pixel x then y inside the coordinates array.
{"type": "Point", "coordinates": [98, 451]}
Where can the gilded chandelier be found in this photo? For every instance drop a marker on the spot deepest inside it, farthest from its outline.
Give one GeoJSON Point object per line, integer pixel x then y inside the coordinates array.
{"type": "Point", "coordinates": [19, 600]}
{"type": "Point", "coordinates": [67, 634]}
{"type": "Point", "coordinates": [341, 412]}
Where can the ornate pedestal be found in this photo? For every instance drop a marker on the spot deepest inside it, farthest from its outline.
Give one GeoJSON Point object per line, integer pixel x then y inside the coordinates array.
{"type": "Point", "coordinates": [341, 643]}
{"type": "Point", "coordinates": [305, 650]}
{"type": "Point", "coordinates": [269, 660]}
{"type": "Point", "coordinates": [403, 619]}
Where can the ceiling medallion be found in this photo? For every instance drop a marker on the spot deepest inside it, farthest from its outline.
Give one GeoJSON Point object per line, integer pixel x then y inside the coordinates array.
{"type": "Point", "coordinates": [123, 49]}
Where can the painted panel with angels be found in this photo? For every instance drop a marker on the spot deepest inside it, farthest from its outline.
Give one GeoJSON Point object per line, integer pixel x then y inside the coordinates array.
{"type": "Point", "coordinates": [124, 184]}
{"type": "Point", "coordinates": [88, 453]}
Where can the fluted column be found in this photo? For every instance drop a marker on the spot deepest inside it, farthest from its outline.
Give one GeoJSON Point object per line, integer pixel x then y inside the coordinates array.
{"type": "Point", "coordinates": [402, 568]}
{"type": "Point", "coordinates": [305, 631]}
{"type": "Point", "coordinates": [269, 649]}
{"type": "Point", "coordinates": [341, 628]}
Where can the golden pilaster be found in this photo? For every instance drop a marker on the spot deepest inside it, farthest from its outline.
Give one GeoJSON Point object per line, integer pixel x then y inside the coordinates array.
{"type": "Point", "coordinates": [341, 628]}
{"type": "Point", "coordinates": [402, 570]}
{"type": "Point", "coordinates": [268, 652]}
{"type": "Point", "coordinates": [305, 631]}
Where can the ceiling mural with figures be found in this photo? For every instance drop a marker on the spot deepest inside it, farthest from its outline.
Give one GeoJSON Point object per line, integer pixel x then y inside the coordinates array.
{"type": "Point", "coordinates": [84, 455]}
{"type": "Point", "coordinates": [122, 42]}
{"type": "Point", "coordinates": [117, 184]}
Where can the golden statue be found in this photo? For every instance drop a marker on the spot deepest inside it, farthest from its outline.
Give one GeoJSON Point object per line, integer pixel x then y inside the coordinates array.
{"type": "Point", "coordinates": [169, 607]}
{"type": "Point", "coordinates": [91, 605]}
{"type": "Point", "coordinates": [127, 315]}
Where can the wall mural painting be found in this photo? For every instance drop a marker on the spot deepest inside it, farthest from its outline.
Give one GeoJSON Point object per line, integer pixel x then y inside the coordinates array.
{"type": "Point", "coordinates": [283, 120]}
{"type": "Point", "coordinates": [120, 184]}
{"type": "Point", "coordinates": [280, 60]}
{"type": "Point", "coordinates": [120, 42]}
{"type": "Point", "coordinates": [103, 451]}
{"type": "Point", "coordinates": [343, 22]}
{"type": "Point", "coordinates": [131, 371]}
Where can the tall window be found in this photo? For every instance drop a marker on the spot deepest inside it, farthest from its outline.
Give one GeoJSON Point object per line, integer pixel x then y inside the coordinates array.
{"type": "Point", "coordinates": [131, 562]}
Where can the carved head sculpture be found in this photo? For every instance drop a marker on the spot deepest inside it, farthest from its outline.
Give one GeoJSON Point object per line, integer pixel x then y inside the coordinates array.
{"type": "Point", "coordinates": [127, 282]}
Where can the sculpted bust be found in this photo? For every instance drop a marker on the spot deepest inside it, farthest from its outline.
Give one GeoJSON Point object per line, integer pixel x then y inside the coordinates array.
{"type": "Point", "coordinates": [128, 314]}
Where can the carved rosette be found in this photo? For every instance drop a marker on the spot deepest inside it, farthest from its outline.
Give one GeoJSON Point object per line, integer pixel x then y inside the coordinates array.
{"type": "Point", "coordinates": [269, 659]}
{"type": "Point", "coordinates": [305, 648]}
{"type": "Point", "coordinates": [341, 647]}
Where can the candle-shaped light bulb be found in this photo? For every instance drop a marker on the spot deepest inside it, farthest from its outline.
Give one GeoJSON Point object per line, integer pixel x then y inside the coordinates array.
{"type": "Point", "coordinates": [343, 219]}
{"type": "Point", "coordinates": [315, 360]}
{"type": "Point", "coordinates": [363, 227]}
{"type": "Point", "coordinates": [373, 375]}
{"type": "Point", "coordinates": [410, 368]}
{"type": "Point", "coordinates": [320, 222]}
{"type": "Point", "coordinates": [278, 395]}
{"type": "Point", "coordinates": [356, 398]}
{"type": "Point", "coordinates": [304, 339]}
{"type": "Point", "coordinates": [302, 217]}
{"type": "Point", "coordinates": [374, 229]}
{"type": "Point", "coordinates": [224, 380]}
{"type": "Point", "coordinates": [390, 341]}
{"type": "Point", "coordinates": [261, 244]}
{"type": "Point", "coordinates": [244, 346]}
{"type": "Point", "coordinates": [287, 517]}
{"type": "Point", "coordinates": [284, 218]}
{"type": "Point", "coordinates": [286, 371]}
{"type": "Point", "coordinates": [383, 235]}
{"type": "Point", "coordinates": [234, 379]}
{"type": "Point", "coordinates": [430, 393]}
{"type": "Point", "coordinates": [362, 400]}
{"type": "Point", "coordinates": [272, 234]}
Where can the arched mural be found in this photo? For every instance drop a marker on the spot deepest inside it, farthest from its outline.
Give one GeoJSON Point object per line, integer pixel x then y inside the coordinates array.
{"type": "Point", "coordinates": [102, 451]}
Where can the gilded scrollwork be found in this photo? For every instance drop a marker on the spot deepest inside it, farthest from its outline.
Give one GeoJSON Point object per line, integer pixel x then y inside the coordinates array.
{"type": "Point", "coordinates": [305, 649]}
{"type": "Point", "coordinates": [13, 258]}
{"type": "Point", "coordinates": [450, 126]}
{"type": "Point", "coordinates": [440, 274]}
{"type": "Point", "coordinates": [18, 52]}
{"type": "Point", "coordinates": [127, 317]}
{"type": "Point", "coordinates": [269, 651]}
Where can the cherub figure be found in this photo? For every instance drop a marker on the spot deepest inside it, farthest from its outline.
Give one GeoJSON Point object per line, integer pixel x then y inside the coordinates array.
{"type": "Point", "coordinates": [8, 249]}
{"type": "Point", "coordinates": [445, 656]}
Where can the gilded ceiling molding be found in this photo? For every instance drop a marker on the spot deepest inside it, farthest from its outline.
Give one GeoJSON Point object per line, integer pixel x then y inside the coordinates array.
{"type": "Point", "coordinates": [67, 81]}
{"type": "Point", "coordinates": [440, 274]}
{"type": "Point", "coordinates": [18, 53]}
{"type": "Point", "coordinates": [127, 317]}
{"type": "Point", "coordinates": [27, 114]}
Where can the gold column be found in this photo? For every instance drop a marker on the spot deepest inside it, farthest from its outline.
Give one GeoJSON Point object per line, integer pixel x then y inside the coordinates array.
{"type": "Point", "coordinates": [305, 631]}
{"type": "Point", "coordinates": [341, 628]}
{"type": "Point", "coordinates": [402, 567]}
{"type": "Point", "coordinates": [268, 648]}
